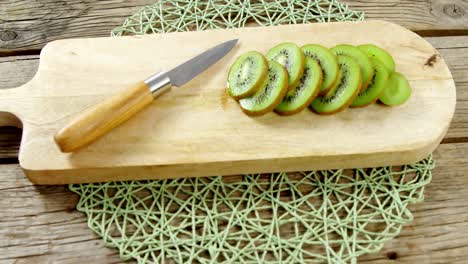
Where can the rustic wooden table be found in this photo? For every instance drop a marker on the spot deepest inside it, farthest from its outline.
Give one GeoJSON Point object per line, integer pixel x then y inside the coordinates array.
{"type": "Point", "coordinates": [39, 224]}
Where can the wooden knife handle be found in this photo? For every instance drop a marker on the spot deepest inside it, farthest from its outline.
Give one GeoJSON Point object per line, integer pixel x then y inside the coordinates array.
{"type": "Point", "coordinates": [100, 119]}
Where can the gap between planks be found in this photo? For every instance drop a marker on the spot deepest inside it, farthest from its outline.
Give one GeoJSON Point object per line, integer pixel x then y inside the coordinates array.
{"type": "Point", "coordinates": [28, 25]}
{"type": "Point", "coordinates": [39, 223]}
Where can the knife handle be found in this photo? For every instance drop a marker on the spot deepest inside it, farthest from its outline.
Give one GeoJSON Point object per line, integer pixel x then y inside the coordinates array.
{"type": "Point", "coordinates": [101, 118]}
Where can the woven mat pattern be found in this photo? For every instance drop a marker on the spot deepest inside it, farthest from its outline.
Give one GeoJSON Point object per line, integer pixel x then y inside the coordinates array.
{"type": "Point", "coordinates": [187, 15]}
{"type": "Point", "coordinates": [329, 216]}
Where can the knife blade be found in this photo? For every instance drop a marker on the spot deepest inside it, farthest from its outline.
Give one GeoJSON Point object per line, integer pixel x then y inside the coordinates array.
{"type": "Point", "coordinates": [198, 64]}
{"type": "Point", "coordinates": [96, 121]}
{"type": "Point", "coordinates": [186, 71]}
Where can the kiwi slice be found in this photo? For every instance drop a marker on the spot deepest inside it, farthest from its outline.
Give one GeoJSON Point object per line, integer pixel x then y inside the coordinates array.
{"type": "Point", "coordinates": [302, 95]}
{"type": "Point", "coordinates": [344, 92]}
{"type": "Point", "coordinates": [397, 91]}
{"type": "Point", "coordinates": [290, 56]}
{"type": "Point", "coordinates": [367, 71]}
{"type": "Point", "coordinates": [377, 52]}
{"type": "Point", "coordinates": [376, 86]}
{"type": "Point", "coordinates": [270, 94]}
{"type": "Point", "coordinates": [246, 74]}
{"type": "Point", "coordinates": [327, 61]}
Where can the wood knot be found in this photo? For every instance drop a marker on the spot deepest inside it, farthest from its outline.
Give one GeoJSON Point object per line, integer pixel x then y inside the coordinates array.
{"type": "Point", "coordinates": [8, 35]}
{"type": "Point", "coordinates": [453, 10]}
{"type": "Point", "coordinates": [431, 61]}
{"type": "Point", "coordinates": [392, 255]}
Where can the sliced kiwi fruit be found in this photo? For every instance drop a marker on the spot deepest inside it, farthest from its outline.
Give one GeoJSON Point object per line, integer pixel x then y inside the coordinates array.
{"type": "Point", "coordinates": [377, 85]}
{"type": "Point", "coordinates": [305, 92]}
{"type": "Point", "coordinates": [270, 94]}
{"type": "Point", "coordinates": [379, 53]}
{"type": "Point", "coordinates": [344, 92]}
{"type": "Point", "coordinates": [397, 91]}
{"type": "Point", "coordinates": [290, 56]}
{"type": "Point", "coordinates": [247, 74]}
{"type": "Point", "coordinates": [328, 63]}
{"type": "Point", "coordinates": [367, 71]}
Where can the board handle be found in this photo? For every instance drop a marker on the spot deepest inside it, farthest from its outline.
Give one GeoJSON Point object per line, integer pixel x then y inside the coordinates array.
{"type": "Point", "coordinates": [10, 106]}
{"type": "Point", "coordinates": [103, 117]}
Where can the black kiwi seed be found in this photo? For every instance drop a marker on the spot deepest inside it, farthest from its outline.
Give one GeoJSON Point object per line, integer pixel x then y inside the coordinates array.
{"type": "Point", "coordinates": [344, 92]}
{"type": "Point", "coordinates": [367, 71]}
{"type": "Point", "coordinates": [327, 62]}
{"type": "Point", "coordinates": [270, 94]}
{"type": "Point", "coordinates": [247, 74]}
{"type": "Point", "coordinates": [302, 95]}
{"type": "Point", "coordinates": [290, 56]}
{"type": "Point", "coordinates": [377, 85]}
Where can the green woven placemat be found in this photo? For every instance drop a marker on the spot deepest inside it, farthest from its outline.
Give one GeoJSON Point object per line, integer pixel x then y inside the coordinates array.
{"type": "Point", "coordinates": [322, 216]}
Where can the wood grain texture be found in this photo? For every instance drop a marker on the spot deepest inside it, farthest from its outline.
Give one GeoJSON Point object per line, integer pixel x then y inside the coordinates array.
{"type": "Point", "coordinates": [426, 17]}
{"type": "Point", "coordinates": [437, 238]}
{"type": "Point", "coordinates": [438, 232]}
{"type": "Point", "coordinates": [29, 25]}
{"type": "Point", "coordinates": [9, 144]}
{"type": "Point", "coordinates": [454, 50]}
{"type": "Point", "coordinates": [103, 117]}
{"type": "Point", "coordinates": [38, 224]}
{"type": "Point", "coordinates": [180, 134]}
{"type": "Point", "coordinates": [16, 71]}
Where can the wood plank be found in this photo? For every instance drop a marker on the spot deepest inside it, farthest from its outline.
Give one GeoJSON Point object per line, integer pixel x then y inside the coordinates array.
{"type": "Point", "coordinates": [438, 232]}
{"type": "Point", "coordinates": [427, 17]}
{"type": "Point", "coordinates": [454, 50]}
{"type": "Point", "coordinates": [29, 25]}
{"type": "Point", "coordinates": [14, 72]}
{"type": "Point", "coordinates": [39, 223]}
{"type": "Point", "coordinates": [10, 138]}
{"type": "Point", "coordinates": [17, 70]}
{"type": "Point", "coordinates": [185, 144]}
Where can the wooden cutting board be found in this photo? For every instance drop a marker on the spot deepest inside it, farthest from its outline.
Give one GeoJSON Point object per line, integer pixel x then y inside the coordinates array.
{"type": "Point", "coordinates": [197, 130]}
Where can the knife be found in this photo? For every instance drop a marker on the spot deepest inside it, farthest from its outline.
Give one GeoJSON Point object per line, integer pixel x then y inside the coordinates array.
{"type": "Point", "coordinates": [103, 117]}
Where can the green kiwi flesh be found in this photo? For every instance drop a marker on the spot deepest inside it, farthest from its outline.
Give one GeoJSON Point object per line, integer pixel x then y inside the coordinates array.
{"type": "Point", "coordinates": [302, 95]}
{"type": "Point", "coordinates": [328, 63]}
{"type": "Point", "coordinates": [340, 96]}
{"type": "Point", "coordinates": [270, 94]}
{"type": "Point", "coordinates": [246, 74]}
{"type": "Point", "coordinates": [290, 56]}
{"type": "Point", "coordinates": [397, 91]}
{"type": "Point", "coordinates": [379, 53]}
{"type": "Point", "coordinates": [367, 71]}
{"type": "Point", "coordinates": [377, 85]}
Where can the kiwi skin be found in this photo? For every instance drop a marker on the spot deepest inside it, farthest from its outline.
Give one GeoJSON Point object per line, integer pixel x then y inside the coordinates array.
{"type": "Point", "coordinates": [346, 105]}
{"type": "Point", "coordinates": [254, 88]}
{"type": "Point", "coordinates": [406, 80]}
{"type": "Point", "coordinates": [372, 102]}
{"type": "Point", "coordinates": [349, 102]}
{"type": "Point", "coordinates": [324, 92]}
{"type": "Point", "coordinates": [367, 82]}
{"type": "Point", "coordinates": [278, 100]}
{"type": "Point", "coordinates": [296, 82]}
{"type": "Point", "coordinates": [373, 50]}
{"type": "Point", "coordinates": [377, 98]}
{"type": "Point", "coordinates": [301, 67]}
{"type": "Point", "coordinates": [301, 64]}
{"type": "Point", "coordinates": [312, 98]}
